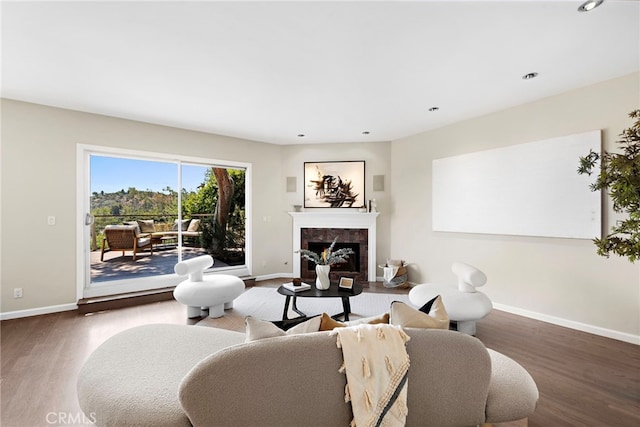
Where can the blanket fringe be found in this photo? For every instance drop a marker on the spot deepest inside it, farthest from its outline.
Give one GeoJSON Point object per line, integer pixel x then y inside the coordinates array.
{"type": "Point", "coordinates": [342, 369]}
{"type": "Point", "coordinates": [404, 335]}
{"type": "Point", "coordinates": [367, 400]}
{"type": "Point", "coordinates": [366, 370]}
{"type": "Point", "coordinates": [402, 408]}
{"type": "Point", "coordinates": [387, 361]}
{"type": "Point", "coordinates": [347, 394]}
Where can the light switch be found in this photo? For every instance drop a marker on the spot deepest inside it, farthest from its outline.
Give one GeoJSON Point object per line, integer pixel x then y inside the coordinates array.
{"type": "Point", "coordinates": [51, 220]}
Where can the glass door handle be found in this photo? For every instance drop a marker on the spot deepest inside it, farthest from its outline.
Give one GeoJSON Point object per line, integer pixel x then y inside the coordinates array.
{"type": "Point", "coordinates": [88, 219]}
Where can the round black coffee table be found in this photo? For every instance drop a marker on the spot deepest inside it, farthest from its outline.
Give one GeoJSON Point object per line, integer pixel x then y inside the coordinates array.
{"type": "Point", "coordinates": [334, 291]}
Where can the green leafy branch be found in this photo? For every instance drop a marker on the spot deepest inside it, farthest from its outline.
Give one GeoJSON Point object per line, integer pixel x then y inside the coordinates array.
{"type": "Point", "coordinates": [619, 174]}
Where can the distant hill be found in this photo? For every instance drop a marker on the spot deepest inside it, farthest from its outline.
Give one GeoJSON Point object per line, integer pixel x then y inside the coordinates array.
{"type": "Point", "coordinates": [134, 202]}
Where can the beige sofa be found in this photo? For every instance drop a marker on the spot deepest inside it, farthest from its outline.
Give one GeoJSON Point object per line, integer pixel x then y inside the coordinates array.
{"type": "Point", "coordinates": [178, 375]}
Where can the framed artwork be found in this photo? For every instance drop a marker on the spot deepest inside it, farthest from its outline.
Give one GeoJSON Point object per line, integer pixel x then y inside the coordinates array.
{"type": "Point", "coordinates": [334, 184]}
{"type": "Point", "coordinates": [346, 283]}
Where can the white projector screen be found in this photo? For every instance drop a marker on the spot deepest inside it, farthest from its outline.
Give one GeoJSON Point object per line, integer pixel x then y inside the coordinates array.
{"type": "Point", "coordinates": [530, 189]}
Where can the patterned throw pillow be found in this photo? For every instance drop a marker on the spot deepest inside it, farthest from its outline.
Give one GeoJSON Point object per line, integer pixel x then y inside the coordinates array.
{"type": "Point", "coordinates": [409, 317]}
{"type": "Point", "coordinates": [259, 329]}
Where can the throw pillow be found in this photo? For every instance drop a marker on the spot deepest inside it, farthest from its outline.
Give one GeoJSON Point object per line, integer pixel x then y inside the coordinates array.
{"type": "Point", "coordinates": [133, 223]}
{"type": "Point", "coordinates": [383, 318]}
{"type": "Point", "coordinates": [328, 323]}
{"type": "Point", "coordinates": [409, 317]}
{"type": "Point", "coordinates": [259, 329]}
{"type": "Point", "coordinates": [194, 225]}
{"type": "Point", "coordinates": [146, 226]}
{"type": "Point", "coordinates": [427, 307]}
{"type": "Point", "coordinates": [183, 225]}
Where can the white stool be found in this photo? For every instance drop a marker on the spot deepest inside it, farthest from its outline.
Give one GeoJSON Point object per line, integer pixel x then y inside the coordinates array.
{"type": "Point", "coordinates": [464, 304]}
{"type": "Point", "coordinates": [214, 292]}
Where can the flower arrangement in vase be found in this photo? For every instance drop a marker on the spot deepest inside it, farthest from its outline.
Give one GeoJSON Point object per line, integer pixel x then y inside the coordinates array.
{"type": "Point", "coordinates": [324, 261]}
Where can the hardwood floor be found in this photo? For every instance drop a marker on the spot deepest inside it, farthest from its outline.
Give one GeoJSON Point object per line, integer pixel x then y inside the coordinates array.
{"type": "Point", "coordinates": [584, 380]}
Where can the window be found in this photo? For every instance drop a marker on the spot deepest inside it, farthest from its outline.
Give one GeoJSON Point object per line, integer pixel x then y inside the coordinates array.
{"type": "Point", "coordinates": [144, 212]}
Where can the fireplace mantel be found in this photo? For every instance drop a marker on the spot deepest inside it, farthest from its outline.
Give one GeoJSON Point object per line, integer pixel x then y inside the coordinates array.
{"type": "Point", "coordinates": [332, 219]}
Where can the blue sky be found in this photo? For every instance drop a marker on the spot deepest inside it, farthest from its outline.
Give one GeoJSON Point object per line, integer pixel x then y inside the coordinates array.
{"type": "Point", "coordinates": [111, 174]}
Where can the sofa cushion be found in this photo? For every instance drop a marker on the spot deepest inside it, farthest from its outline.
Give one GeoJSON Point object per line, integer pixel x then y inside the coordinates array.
{"type": "Point", "coordinates": [146, 226]}
{"type": "Point", "coordinates": [408, 317]}
{"type": "Point", "coordinates": [258, 329]}
{"type": "Point", "coordinates": [194, 225]}
{"type": "Point", "coordinates": [184, 225]}
{"type": "Point", "coordinates": [133, 377]}
{"type": "Point", "coordinates": [134, 223]}
{"type": "Point", "coordinates": [448, 382]}
{"type": "Point", "coordinates": [512, 393]}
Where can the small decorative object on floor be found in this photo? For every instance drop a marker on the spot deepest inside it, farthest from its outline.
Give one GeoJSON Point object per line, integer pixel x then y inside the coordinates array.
{"type": "Point", "coordinates": [395, 274]}
{"type": "Point", "coordinates": [324, 261]}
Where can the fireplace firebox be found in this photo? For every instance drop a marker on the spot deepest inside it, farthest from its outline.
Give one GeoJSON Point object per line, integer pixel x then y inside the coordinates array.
{"type": "Point", "coordinates": [319, 239]}
{"type": "Point", "coordinates": [352, 263]}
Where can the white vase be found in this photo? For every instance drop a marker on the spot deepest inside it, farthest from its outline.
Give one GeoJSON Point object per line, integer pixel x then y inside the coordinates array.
{"type": "Point", "coordinates": [322, 277]}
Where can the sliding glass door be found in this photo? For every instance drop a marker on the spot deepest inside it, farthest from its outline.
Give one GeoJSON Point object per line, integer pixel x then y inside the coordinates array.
{"type": "Point", "coordinates": [145, 213]}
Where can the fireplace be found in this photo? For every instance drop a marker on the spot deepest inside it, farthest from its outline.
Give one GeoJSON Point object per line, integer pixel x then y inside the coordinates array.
{"type": "Point", "coordinates": [319, 239]}
{"type": "Point", "coordinates": [351, 228]}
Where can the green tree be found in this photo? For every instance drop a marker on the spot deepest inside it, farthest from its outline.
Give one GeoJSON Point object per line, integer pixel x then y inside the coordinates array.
{"type": "Point", "coordinates": [222, 198]}
{"type": "Point", "coordinates": [619, 174]}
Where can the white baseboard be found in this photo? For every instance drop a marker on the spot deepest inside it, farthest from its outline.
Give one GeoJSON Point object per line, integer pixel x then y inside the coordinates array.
{"type": "Point", "coordinates": [273, 276]}
{"type": "Point", "coordinates": [596, 330]}
{"type": "Point", "coordinates": [37, 311]}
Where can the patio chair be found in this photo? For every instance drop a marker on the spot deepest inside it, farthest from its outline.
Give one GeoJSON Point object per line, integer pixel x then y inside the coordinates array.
{"type": "Point", "coordinates": [124, 238]}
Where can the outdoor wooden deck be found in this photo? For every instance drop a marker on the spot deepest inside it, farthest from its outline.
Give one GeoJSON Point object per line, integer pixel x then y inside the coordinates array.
{"type": "Point", "coordinates": [115, 266]}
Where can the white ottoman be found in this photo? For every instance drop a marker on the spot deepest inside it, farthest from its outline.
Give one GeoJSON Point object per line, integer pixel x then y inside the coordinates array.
{"type": "Point", "coordinates": [464, 304]}
{"type": "Point", "coordinates": [214, 292]}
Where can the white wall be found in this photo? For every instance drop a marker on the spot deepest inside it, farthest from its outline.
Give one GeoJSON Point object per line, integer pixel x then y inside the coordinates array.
{"type": "Point", "coordinates": [39, 179]}
{"type": "Point", "coordinates": [377, 158]}
{"type": "Point", "coordinates": [561, 280]}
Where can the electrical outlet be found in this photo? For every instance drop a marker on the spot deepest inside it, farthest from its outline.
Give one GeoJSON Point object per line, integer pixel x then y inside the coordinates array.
{"type": "Point", "coordinates": [51, 220]}
{"type": "Point", "coordinates": [17, 292]}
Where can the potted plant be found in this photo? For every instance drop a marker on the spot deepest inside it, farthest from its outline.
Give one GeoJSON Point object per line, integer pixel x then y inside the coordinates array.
{"type": "Point", "coordinates": [620, 174]}
{"type": "Point", "coordinates": [324, 261]}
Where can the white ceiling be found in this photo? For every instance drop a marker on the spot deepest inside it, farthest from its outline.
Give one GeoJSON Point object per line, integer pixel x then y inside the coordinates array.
{"type": "Point", "coordinates": [268, 71]}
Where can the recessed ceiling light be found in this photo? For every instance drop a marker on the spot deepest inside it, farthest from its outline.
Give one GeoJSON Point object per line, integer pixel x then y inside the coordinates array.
{"type": "Point", "coordinates": [301, 135]}
{"type": "Point", "coordinates": [366, 132]}
{"type": "Point", "coordinates": [434, 108]}
{"type": "Point", "coordinates": [589, 5]}
{"type": "Point", "coordinates": [530, 76]}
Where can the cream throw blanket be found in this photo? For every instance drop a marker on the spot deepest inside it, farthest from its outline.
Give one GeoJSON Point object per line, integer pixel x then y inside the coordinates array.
{"type": "Point", "coordinates": [377, 364]}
